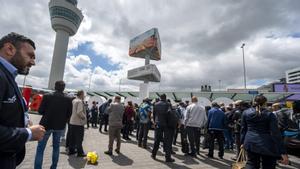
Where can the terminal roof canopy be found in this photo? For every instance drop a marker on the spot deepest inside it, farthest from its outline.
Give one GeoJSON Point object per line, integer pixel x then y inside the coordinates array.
{"type": "Point", "coordinates": [177, 96]}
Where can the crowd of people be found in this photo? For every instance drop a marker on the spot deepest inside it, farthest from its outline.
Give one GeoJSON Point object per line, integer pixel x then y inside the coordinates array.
{"type": "Point", "coordinates": [255, 127]}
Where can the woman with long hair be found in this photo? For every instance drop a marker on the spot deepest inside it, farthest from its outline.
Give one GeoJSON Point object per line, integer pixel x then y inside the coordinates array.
{"type": "Point", "coordinates": [261, 137]}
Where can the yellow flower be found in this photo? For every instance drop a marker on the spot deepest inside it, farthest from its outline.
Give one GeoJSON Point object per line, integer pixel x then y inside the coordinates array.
{"type": "Point", "coordinates": [92, 157]}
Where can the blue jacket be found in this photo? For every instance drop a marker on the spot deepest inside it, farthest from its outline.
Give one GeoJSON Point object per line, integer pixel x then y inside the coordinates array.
{"type": "Point", "coordinates": [216, 119]}
{"type": "Point", "coordinates": [260, 133]}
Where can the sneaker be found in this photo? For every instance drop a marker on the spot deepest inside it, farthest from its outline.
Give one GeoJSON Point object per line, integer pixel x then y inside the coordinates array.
{"type": "Point", "coordinates": [117, 151]}
{"type": "Point", "coordinates": [170, 160]}
{"type": "Point", "coordinates": [145, 147]}
{"type": "Point", "coordinates": [108, 153]}
{"type": "Point", "coordinates": [209, 156]}
{"type": "Point", "coordinates": [192, 154]}
{"type": "Point", "coordinates": [153, 156]}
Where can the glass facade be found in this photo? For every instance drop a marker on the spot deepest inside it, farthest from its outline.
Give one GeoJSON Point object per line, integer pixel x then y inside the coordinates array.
{"type": "Point", "coordinates": [74, 2]}
{"type": "Point", "coordinates": [58, 11]}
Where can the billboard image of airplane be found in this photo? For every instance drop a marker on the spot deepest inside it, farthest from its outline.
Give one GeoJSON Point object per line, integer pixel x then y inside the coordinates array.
{"type": "Point", "coordinates": [148, 43]}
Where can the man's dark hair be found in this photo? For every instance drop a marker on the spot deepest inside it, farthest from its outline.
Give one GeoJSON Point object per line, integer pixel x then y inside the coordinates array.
{"type": "Point", "coordinates": [244, 105]}
{"type": "Point", "coordinates": [16, 40]}
{"type": "Point", "coordinates": [163, 97]}
{"type": "Point", "coordinates": [259, 100]}
{"type": "Point", "coordinates": [109, 100]}
{"type": "Point", "coordinates": [215, 104]}
{"type": "Point", "coordinates": [60, 86]}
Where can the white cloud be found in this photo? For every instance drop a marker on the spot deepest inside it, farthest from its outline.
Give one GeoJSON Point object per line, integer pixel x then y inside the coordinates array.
{"type": "Point", "coordinates": [80, 60]}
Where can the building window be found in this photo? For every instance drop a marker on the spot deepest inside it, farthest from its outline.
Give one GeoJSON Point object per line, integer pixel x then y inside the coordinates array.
{"type": "Point", "coordinates": [298, 75]}
{"type": "Point", "coordinates": [74, 2]}
{"type": "Point", "coordinates": [293, 80]}
{"type": "Point", "coordinates": [291, 73]}
{"type": "Point", "coordinates": [58, 11]}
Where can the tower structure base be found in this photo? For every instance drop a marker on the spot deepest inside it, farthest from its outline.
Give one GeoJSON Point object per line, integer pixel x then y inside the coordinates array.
{"type": "Point", "coordinates": [144, 91]}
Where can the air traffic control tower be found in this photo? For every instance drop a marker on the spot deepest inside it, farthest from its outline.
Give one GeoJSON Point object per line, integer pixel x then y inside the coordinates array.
{"type": "Point", "coordinates": [146, 46]}
{"type": "Point", "coordinates": [65, 20]}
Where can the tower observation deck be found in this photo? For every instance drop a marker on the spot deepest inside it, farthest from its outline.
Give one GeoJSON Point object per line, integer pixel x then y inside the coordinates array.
{"type": "Point", "coordinates": [65, 20]}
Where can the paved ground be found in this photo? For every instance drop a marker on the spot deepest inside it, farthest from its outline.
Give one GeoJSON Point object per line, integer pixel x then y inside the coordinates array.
{"type": "Point", "coordinates": [131, 156]}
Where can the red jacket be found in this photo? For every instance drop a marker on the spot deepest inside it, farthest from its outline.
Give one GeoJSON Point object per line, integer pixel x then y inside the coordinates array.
{"type": "Point", "coordinates": [129, 113]}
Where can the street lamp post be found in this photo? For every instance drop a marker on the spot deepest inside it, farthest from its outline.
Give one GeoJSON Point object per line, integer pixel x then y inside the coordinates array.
{"type": "Point", "coordinates": [90, 80]}
{"type": "Point", "coordinates": [120, 85]}
{"type": "Point", "coordinates": [244, 66]}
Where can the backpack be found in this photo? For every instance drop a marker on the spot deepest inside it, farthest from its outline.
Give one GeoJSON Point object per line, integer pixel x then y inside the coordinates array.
{"type": "Point", "coordinates": [143, 113]}
{"type": "Point", "coordinates": [172, 118]}
{"type": "Point", "coordinates": [179, 113]}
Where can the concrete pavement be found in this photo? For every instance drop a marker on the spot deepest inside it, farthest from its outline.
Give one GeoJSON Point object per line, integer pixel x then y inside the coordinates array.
{"type": "Point", "coordinates": [131, 155]}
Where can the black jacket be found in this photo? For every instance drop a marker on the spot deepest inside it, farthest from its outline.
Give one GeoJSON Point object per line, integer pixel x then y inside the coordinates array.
{"type": "Point", "coordinates": [283, 116]}
{"type": "Point", "coordinates": [160, 113]}
{"type": "Point", "coordinates": [13, 135]}
{"type": "Point", "coordinates": [236, 118]}
{"type": "Point", "coordinates": [56, 109]}
{"type": "Point", "coordinates": [260, 133]}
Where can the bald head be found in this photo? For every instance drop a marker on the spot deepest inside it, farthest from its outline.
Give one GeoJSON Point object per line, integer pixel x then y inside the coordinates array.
{"type": "Point", "coordinates": [194, 99]}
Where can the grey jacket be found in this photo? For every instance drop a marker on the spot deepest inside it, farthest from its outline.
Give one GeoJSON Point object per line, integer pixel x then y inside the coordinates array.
{"type": "Point", "coordinates": [195, 116]}
{"type": "Point", "coordinates": [78, 113]}
{"type": "Point", "coordinates": [115, 111]}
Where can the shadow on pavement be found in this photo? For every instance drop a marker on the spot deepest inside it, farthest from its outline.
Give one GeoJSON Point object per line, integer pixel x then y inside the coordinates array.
{"type": "Point", "coordinates": [173, 165]}
{"type": "Point", "coordinates": [121, 160]}
{"type": "Point", "coordinates": [76, 162]}
{"type": "Point", "coordinates": [216, 163]}
{"type": "Point", "coordinates": [190, 161]}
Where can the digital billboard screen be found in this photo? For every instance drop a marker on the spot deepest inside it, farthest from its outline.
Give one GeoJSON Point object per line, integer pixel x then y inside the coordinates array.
{"type": "Point", "coordinates": [288, 88]}
{"type": "Point", "coordinates": [148, 43]}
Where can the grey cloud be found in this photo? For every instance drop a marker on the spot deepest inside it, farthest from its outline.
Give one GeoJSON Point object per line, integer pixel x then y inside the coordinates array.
{"type": "Point", "coordinates": [238, 23]}
{"type": "Point", "coordinates": [194, 31]}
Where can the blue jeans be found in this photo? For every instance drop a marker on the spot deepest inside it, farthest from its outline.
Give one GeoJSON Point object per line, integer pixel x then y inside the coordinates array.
{"type": "Point", "coordinates": [228, 139]}
{"type": "Point", "coordinates": [56, 134]}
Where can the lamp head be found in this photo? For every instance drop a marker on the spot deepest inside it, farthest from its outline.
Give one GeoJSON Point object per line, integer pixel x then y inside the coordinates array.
{"type": "Point", "coordinates": [243, 45]}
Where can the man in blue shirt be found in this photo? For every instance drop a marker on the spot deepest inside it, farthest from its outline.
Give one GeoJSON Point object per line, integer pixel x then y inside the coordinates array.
{"type": "Point", "coordinates": [16, 57]}
{"type": "Point", "coordinates": [144, 114]}
{"type": "Point", "coordinates": [216, 125]}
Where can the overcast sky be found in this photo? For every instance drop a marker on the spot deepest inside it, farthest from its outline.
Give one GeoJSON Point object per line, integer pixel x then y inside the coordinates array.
{"type": "Point", "coordinates": [200, 39]}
